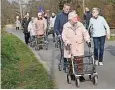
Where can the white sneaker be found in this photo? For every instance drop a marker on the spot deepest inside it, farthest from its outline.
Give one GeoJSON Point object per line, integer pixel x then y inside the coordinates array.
{"type": "Point", "coordinates": [96, 62]}
{"type": "Point", "coordinates": [100, 63]}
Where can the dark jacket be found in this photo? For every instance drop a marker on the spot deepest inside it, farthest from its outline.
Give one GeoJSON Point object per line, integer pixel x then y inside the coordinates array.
{"type": "Point", "coordinates": [25, 23]}
{"type": "Point", "coordinates": [87, 16]}
{"type": "Point", "coordinates": [61, 19]}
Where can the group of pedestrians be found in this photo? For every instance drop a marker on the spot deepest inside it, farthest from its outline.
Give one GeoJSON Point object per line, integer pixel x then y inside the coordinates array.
{"type": "Point", "coordinates": [38, 26]}
{"type": "Point", "coordinates": [73, 33]}
{"type": "Point", "coordinates": [67, 26]}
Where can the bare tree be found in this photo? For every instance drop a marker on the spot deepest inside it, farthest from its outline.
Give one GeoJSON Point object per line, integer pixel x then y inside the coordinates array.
{"type": "Point", "coordinates": [8, 12]}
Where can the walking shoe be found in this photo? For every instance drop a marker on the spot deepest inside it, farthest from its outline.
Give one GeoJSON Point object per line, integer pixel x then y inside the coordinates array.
{"type": "Point", "coordinates": [100, 64]}
{"type": "Point", "coordinates": [96, 62]}
{"type": "Point", "coordinates": [46, 42]}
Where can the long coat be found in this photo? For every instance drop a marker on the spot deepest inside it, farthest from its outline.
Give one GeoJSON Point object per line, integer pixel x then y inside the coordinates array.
{"type": "Point", "coordinates": [25, 23]}
{"type": "Point", "coordinates": [31, 28]}
{"type": "Point", "coordinates": [41, 26]}
{"type": "Point", "coordinates": [18, 23]}
{"type": "Point", "coordinates": [74, 36]}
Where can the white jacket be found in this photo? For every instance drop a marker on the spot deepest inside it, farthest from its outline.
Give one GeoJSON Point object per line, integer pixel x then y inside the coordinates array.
{"type": "Point", "coordinates": [31, 28]}
{"type": "Point", "coordinates": [99, 27]}
{"type": "Point", "coordinates": [18, 24]}
{"type": "Point", "coordinates": [52, 22]}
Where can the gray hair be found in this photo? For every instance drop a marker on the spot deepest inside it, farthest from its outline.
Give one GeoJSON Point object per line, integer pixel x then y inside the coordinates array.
{"type": "Point", "coordinates": [97, 9]}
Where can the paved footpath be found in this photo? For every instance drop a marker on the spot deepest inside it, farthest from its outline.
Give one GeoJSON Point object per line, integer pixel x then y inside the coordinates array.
{"type": "Point", "coordinates": [50, 60]}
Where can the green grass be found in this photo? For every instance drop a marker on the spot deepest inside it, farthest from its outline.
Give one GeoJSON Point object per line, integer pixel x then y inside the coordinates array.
{"type": "Point", "coordinates": [112, 38]}
{"type": "Point", "coordinates": [19, 67]}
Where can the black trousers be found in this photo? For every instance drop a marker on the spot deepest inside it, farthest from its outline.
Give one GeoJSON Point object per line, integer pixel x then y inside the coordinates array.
{"type": "Point", "coordinates": [17, 28]}
{"type": "Point", "coordinates": [26, 36]}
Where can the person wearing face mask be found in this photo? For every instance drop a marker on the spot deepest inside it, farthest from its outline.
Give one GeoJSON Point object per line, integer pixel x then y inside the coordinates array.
{"type": "Point", "coordinates": [51, 27]}
{"type": "Point", "coordinates": [31, 29]}
{"type": "Point", "coordinates": [61, 19]}
{"type": "Point", "coordinates": [73, 36]}
{"type": "Point", "coordinates": [100, 31]}
{"type": "Point", "coordinates": [25, 23]}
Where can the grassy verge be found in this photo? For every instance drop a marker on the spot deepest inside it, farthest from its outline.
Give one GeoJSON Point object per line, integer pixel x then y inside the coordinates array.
{"type": "Point", "coordinates": [112, 38]}
{"type": "Point", "coordinates": [20, 69]}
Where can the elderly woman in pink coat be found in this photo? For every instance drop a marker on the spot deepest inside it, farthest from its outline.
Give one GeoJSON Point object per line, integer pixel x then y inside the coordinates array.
{"type": "Point", "coordinates": [73, 35]}
{"type": "Point", "coordinates": [41, 25]}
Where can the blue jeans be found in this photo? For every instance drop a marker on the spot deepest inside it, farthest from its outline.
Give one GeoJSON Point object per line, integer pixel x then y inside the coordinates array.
{"type": "Point", "coordinates": [99, 48]}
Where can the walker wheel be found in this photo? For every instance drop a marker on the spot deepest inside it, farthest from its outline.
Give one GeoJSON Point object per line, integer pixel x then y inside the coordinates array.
{"type": "Point", "coordinates": [66, 70]}
{"type": "Point", "coordinates": [30, 44]}
{"type": "Point", "coordinates": [95, 78]}
{"type": "Point", "coordinates": [56, 45]}
{"type": "Point", "coordinates": [90, 77]}
{"type": "Point", "coordinates": [77, 82]}
{"type": "Point", "coordinates": [68, 79]}
{"type": "Point", "coordinates": [46, 47]}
